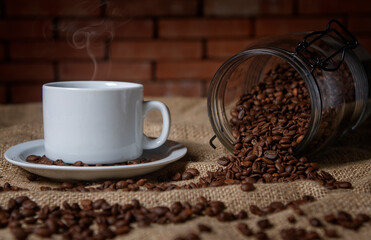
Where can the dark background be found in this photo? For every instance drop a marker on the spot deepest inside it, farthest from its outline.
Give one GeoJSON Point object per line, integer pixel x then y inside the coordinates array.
{"type": "Point", "coordinates": [173, 47]}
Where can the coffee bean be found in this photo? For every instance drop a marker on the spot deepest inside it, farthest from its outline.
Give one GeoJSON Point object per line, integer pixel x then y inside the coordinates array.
{"type": "Point", "coordinates": [141, 182]}
{"type": "Point", "coordinates": [362, 217]}
{"type": "Point", "coordinates": [216, 183]}
{"type": "Point", "coordinates": [8, 187]}
{"type": "Point", "coordinates": [223, 161]}
{"type": "Point", "coordinates": [204, 228]}
{"type": "Point", "coordinates": [78, 164]}
{"type": "Point", "coordinates": [160, 210]}
{"type": "Point", "coordinates": [330, 218]}
{"type": "Point", "coordinates": [244, 229]}
{"type": "Point", "coordinates": [267, 177]}
{"type": "Point", "coordinates": [87, 204]}
{"type": "Point", "coordinates": [32, 177]}
{"type": "Point", "coordinates": [122, 230]}
{"type": "Point", "coordinates": [19, 233]}
{"type": "Point", "coordinates": [52, 225]}
{"type": "Point", "coordinates": [67, 185]}
{"type": "Point", "coordinates": [187, 176]}
{"type": "Point", "coordinates": [177, 176]}
{"type": "Point", "coordinates": [331, 233]}
{"type": "Point", "coordinates": [291, 219]}
{"type": "Point", "coordinates": [277, 206]}
{"type": "Point", "coordinates": [193, 171]}
{"type": "Point", "coordinates": [235, 133]}
{"type": "Point", "coordinates": [28, 204]}
{"type": "Point", "coordinates": [226, 217]}
{"type": "Point", "coordinates": [255, 210]}
{"type": "Point", "coordinates": [249, 180]}
{"type": "Point", "coordinates": [241, 215]}
{"type": "Point", "coordinates": [346, 185]}
{"type": "Point", "coordinates": [42, 232]}
{"type": "Point", "coordinates": [176, 208]}
{"type": "Point", "coordinates": [261, 236]}
{"type": "Point", "coordinates": [19, 200]}
{"type": "Point", "coordinates": [44, 188]}
{"type": "Point", "coordinates": [264, 224]}
{"type": "Point", "coordinates": [344, 216]}
{"type": "Point", "coordinates": [270, 154]}
{"type": "Point", "coordinates": [32, 158]}
{"type": "Point", "coordinates": [250, 157]}
{"type": "Point", "coordinates": [121, 184]}
{"type": "Point", "coordinates": [229, 182]}
{"type": "Point", "coordinates": [247, 187]}
{"type": "Point", "coordinates": [193, 236]}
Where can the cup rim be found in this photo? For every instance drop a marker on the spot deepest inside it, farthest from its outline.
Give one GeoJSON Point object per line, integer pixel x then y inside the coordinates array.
{"type": "Point", "coordinates": [99, 85]}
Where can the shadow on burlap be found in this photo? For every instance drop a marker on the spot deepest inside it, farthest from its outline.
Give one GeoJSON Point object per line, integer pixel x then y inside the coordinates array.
{"type": "Point", "coordinates": [349, 159]}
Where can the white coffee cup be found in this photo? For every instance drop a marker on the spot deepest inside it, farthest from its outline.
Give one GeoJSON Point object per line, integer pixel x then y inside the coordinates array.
{"type": "Point", "coordinates": [98, 122]}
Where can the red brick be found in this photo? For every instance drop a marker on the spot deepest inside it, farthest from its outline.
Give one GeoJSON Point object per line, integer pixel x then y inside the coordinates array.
{"type": "Point", "coordinates": [204, 28]}
{"type": "Point", "coordinates": [177, 88]}
{"type": "Point", "coordinates": [140, 28]}
{"type": "Point", "coordinates": [365, 42]}
{"type": "Point", "coordinates": [360, 24]}
{"type": "Point", "coordinates": [26, 93]}
{"type": "Point", "coordinates": [156, 50]}
{"type": "Point", "coordinates": [25, 29]}
{"type": "Point", "coordinates": [52, 8]}
{"type": "Point", "coordinates": [119, 8]}
{"type": "Point", "coordinates": [56, 50]}
{"type": "Point", "coordinates": [2, 94]}
{"type": "Point", "coordinates": [187, 70]}
{"type": "Point", "coordinates": [225, 48]}
{"type": "Point", "coordinates": [333, 6]}
{"type": "Point", "coordinates": [118, 71]}
{"type": "Point", "coordinates": [247, 7]}
{"type": "Point", "coordinates": [276, 26]}
{"type": "Point", "coordinates": [26, 72]}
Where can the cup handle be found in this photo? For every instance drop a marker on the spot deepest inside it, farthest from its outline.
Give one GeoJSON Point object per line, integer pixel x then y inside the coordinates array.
{"type": "Point", "coordinates": [149, 143]}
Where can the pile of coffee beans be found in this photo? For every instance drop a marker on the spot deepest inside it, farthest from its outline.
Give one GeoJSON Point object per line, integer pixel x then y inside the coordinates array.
{"type": "Point", "coordinates": [100, 220]}
{"type": "Point", "coordinates": [342, 218]}
{"type": "Point", "coordinates": [45, 160]}
{"type": "Point", "coordinates": [268, 123]}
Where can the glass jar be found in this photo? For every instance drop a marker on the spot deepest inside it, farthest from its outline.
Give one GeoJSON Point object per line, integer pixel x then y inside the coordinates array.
{"type": "Point", "coordinates": [337, 77]}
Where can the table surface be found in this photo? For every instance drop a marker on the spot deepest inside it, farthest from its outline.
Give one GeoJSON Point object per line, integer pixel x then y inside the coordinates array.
{"type": "Point", "coordinates": [349, 159]}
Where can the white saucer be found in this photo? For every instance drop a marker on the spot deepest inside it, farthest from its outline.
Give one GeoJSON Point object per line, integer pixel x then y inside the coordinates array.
{"type": "Point", "coordinates": [168, 153]}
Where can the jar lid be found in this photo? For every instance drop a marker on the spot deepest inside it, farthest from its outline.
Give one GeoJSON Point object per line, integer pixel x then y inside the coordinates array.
{"type": "Point", "coordinates": [309, 57]}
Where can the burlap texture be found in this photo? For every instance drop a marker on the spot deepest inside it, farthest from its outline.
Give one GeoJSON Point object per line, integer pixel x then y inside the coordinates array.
{"type": "Point", "coordinates": [349, 159]}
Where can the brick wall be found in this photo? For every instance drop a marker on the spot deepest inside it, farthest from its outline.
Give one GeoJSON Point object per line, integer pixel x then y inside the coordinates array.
{"type": "Point", "coordinates": [173, 47]}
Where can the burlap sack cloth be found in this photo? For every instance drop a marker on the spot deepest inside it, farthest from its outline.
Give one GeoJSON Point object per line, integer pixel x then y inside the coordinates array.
{"type": "Point", "coordinates": [348, 160]}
